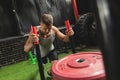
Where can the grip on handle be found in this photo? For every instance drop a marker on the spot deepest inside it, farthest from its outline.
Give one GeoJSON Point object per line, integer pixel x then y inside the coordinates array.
{"type": "Point", "coordinates": [34, 31]}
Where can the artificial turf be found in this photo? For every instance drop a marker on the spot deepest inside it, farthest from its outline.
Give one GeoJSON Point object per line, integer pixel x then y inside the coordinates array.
{"type": "Point", "coordinates": [25, 70]}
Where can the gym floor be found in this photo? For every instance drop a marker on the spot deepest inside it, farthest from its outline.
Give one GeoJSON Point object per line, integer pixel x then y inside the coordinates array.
{"type": "Point", "coordinates": [25, 70]}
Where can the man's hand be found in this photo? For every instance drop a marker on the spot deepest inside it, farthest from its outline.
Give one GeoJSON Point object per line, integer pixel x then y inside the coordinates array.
{"type": "Point", "coordinates": [34, 37]}
{"type": "Point", "coordinates": [70, 32]}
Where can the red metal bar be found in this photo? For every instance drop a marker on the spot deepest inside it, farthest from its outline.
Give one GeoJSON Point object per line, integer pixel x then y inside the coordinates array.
{"type": "Point", "coordinates": [34, 30]}
{"type": "Point", "coordinates": [75, 9]}
{"type": "Point", "coordinates": [67, 24]}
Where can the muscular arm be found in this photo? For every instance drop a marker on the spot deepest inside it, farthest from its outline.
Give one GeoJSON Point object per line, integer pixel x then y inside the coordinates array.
{"type": "Point", "coordinates": [60, 35]}
{"type": "Point", "coordinates": [29, 44]}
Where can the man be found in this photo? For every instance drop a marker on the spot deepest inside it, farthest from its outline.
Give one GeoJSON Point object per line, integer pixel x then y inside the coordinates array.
{"type": "Point", "coordinates": [47, 33]}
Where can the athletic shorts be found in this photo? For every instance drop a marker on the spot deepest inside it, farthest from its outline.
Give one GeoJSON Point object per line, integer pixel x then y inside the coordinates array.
{"type": "Point", "coordinates": [52, 55]}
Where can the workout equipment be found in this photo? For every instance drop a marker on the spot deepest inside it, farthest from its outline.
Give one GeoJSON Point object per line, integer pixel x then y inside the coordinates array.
{"type": "Point", "coordinates": [108, 21]}
{"type": "Point", "coordinates": [85, 31]}
{"type": "Point", "coordinates": [67, 24]}
{"type": "Point", "coordinates": [38, 54]}
{"type": "Point", "coordinates": [79, 66]}
{"type": "Point", "coordinates": [32, 57]}
{"type": "Point", "coordinates": [75, 9]}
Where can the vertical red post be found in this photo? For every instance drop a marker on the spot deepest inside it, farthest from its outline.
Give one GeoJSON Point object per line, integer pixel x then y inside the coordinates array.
{"type": "Point", "coordinates": [75, 9]}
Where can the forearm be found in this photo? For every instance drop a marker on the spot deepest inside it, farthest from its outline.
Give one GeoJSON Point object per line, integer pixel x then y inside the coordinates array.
{"type": "Point", "coordinates": [66, 38]}
{"type": "Point", "coordinates": [28, 47]}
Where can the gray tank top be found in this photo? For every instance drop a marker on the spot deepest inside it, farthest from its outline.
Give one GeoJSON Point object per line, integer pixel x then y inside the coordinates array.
{"type": "Point", "coordinates": [46, 44]}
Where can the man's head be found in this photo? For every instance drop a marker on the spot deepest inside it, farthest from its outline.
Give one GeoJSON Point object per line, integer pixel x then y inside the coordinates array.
{"type": "Point", "coordinates": [47, 19]}
{"type": "Point", "coordinates": [46, 23]}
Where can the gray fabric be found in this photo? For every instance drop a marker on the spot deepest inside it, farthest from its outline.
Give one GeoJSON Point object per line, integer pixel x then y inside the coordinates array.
{"type": "Point", "coordinates": [46, 45]}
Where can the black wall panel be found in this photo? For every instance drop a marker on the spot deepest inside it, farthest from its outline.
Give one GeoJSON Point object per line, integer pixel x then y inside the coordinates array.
{"type": "Point", "coordinates": [84, 6]}
{"type": "Point", "coordinates": [17, 16]}
{"type": "Point", "coordinates": [8, 26]}
{"type": "Point", "coordinates": [58, 10]}
{"type": "Point", "coordinates": [29, 13]}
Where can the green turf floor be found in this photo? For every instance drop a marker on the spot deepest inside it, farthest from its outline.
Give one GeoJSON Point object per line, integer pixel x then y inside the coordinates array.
{"type": "Point", "coordinates": [25, 70]}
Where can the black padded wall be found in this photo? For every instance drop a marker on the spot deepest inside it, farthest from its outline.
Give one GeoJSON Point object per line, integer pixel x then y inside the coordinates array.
{"type": "Point", "coordinates": [8, 26]}
{"type": "Point", "coordinates": [29, 13]}
{"type": "Point", "coordinates": [84, 6]}
{"type": "Point", "coordinates": [17, 16]}
{"type": "Point", "coordinates": [57, 9]}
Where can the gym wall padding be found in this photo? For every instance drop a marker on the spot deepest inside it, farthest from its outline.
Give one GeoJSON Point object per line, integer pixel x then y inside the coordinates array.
{"type": "Point", "coordinates": [29, 13]}
{"type": "Point", "coordinates": [58, 8]}
{"type": "Point", "coordinates": [8, 26]}
{"type": "Point", "coordinates": [17, 16]}
{"type": "Point", "coordinates": [84, 6]}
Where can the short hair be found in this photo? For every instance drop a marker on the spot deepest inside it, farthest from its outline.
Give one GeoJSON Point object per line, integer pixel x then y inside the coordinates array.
{"type": "Point", "coordinates": [47, 19]}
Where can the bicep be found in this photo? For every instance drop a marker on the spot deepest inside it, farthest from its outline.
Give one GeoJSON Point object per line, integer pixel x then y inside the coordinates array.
{"type": "Point", "coordinates": [59, 34]}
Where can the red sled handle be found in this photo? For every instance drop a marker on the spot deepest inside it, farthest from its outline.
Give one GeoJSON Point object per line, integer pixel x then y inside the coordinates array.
{"type": "Point", "coordinates": [34, 31]}
{"type": "Point", "coordinates": [67, 24]}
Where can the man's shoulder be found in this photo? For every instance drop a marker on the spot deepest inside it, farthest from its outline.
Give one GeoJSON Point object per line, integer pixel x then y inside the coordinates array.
{"type": "Point", "coordinates": [54, 28]}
